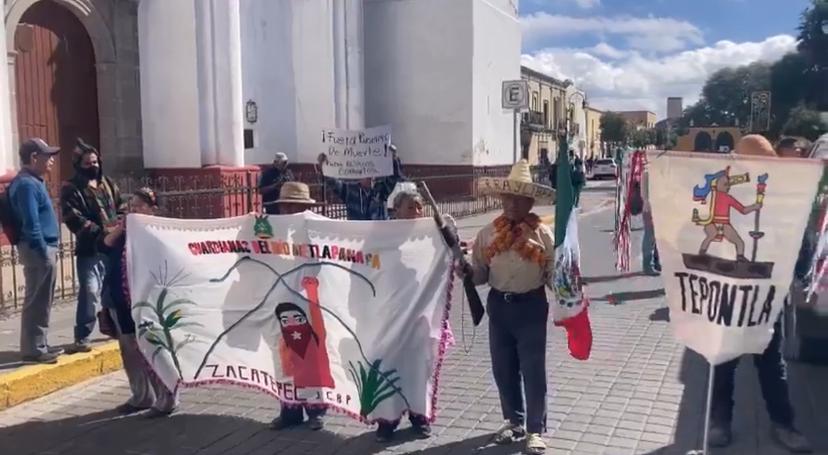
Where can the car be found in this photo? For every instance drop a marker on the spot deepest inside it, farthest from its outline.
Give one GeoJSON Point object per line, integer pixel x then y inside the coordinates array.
{"type": "Point", "coordinates": [604, 168]}
{"type": "Point", "coordinates": [820, 148]}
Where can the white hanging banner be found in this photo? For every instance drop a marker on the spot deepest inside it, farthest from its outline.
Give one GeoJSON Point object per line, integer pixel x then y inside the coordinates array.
{"type": "Point", "coordinates": [729, 229]}
{"type": "Point", "coordinates": [350, 315]}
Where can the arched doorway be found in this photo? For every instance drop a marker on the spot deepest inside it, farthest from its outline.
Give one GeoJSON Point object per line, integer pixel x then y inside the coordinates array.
{"type": "Point", "coordinates": [703, 142]}
{"type": "Point", "coordinates": [56, 81]}
{"type": "Point", "coordinates": [724, 139]}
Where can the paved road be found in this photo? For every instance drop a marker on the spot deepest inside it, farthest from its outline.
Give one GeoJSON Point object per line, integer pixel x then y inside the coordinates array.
{"type": "Point", "coordinates": [639, 393]}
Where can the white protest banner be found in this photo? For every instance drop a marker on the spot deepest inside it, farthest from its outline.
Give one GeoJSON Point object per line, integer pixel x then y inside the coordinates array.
{"type": "Point", "coordinates": [306, 309]}
{"type": "Point", "coordinates": [728, 230]}
{"type": "Point", "coordinates": [357, 154]}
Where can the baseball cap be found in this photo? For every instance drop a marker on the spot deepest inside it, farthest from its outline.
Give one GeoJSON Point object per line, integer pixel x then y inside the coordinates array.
{"type": "Point", "coordinates": [36, 146]}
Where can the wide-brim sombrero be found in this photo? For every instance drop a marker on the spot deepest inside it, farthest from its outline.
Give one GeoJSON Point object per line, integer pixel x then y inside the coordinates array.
{"type": "Point", "coordinates": [518, 183]}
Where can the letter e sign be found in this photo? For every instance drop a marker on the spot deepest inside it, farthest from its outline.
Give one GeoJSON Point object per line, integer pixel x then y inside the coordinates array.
{"type": "Point", "coordinates": [515, 95]}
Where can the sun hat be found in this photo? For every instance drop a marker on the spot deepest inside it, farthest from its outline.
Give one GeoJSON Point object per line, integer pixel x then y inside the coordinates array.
{"type": "Point", "coordinates": [518, 183]}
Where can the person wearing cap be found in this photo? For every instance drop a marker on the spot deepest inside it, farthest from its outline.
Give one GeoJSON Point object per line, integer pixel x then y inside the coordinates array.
{"type": "Point", "coordinates": [366, 199]}
{"type": "Point", "coordinates": [294, 197]}
{"type": "Point", "coordinates": [515, 255]}
{"type": "Point", "coordinates": [271, 181]}
{"type": "Point", "coordinates": [31, 207]}
{"type": "Point", "coordinates": [770, 367]}
{"type": "Point", "coordinates": [91, 205]}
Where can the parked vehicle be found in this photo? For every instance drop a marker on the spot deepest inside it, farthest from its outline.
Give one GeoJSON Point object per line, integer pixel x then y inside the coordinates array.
{"type": "Point", "coordinates": [604, 168]}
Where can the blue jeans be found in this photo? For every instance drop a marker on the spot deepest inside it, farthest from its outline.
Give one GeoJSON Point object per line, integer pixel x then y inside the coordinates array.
{"type": "Point", "coordinates": [649, 250]}
{"type": "Point", "coordinates": [91, 273]}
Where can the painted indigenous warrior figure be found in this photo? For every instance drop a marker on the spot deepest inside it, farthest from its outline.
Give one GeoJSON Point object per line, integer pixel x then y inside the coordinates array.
{"type": "Point", "coordinates": [303, 352]}
{"type": "Point", "coordinates": [717, 225]}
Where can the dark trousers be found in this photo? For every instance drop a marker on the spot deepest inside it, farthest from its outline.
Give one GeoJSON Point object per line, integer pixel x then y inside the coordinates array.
{"type": "Point", "coordinates": [517, 342]}
{"type": "Point", "coordinates": [772, 379]}
{"type": "Point", "coordinates": [416, 420]}
{"type": "Point", "coordinates": [294, 413]}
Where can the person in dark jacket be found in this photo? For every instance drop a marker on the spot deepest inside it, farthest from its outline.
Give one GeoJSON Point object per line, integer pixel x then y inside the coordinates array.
{"type": "Point", "coordinates": [271, 183]}
{"type": "Point", "coordinates": [91, 205]}
{"type": "Point", "coordinates": [366, 199]}
{"type": "Point", "coordinates": [31, 208]}
{"type": "Point", "coordinates": [148, 392]}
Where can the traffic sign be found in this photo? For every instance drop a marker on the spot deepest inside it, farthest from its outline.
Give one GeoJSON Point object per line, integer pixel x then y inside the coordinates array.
{"type": "Point", "coordinates": [516, 95]}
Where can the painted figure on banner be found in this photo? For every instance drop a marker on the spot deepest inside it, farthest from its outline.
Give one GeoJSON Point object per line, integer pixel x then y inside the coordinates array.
{"type": "Point", "coordinates": [302, 350]}
{"type": "Point", "coordinates": [716, 193]}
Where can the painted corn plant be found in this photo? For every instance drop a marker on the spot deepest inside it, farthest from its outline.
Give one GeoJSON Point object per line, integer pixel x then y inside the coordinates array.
{"type": "Point", "coordinates": [168, 316]}
{"type": "Point", "coordinates": [374, 386]}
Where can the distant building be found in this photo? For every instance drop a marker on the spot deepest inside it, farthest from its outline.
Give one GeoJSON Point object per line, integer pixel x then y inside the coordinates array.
{"type": "Point", "coordinates": [712, 139]}
{"type": "Point", "coordinates": [639, 119]}
{"type": "Point", "coordinates": [594, 146]}
{"type": "Point", "coordinates": [675, 107]}
{"type": "Point", "coordinates": [547, 98]}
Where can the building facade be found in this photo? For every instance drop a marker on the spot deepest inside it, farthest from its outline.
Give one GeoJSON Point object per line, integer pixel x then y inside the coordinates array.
{"type": "Point", "coordinates": [675, 107]}
{"type": "Point", "coordinates": [223, 85]}
{"type": "Point", "coordinates": [709, 139]}
{"type": "Point", "coordinates": [639, 119]}
{"type": "Point", "coordinates": [539, 126]}
{"type": "Point", "coordinates": [595, 147]}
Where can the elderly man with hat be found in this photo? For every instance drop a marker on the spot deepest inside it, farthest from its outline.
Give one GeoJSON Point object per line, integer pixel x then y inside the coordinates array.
{"type": "Point", "coordinates": [38, 233]}
{"type": "Point", "coordinates": [294, 197]}
{"type": "Point", "coordinates": [271, 181]}
{"type": "Point", "coordinates": [515, 255]}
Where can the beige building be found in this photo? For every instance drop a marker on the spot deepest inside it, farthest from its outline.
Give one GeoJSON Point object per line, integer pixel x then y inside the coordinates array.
{"type": "Point", "coordinates": [639, 119]}
{"type": "Point", "coordinates": [594, 147]}
{"type": "Point", "coordinates": [538, 127]}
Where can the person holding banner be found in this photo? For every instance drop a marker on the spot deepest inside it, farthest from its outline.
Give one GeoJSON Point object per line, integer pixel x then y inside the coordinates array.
{"type": "Point", "coordinates": [515, 255]}
{"type": "Point", "coordinates": [294, 197]}
{"type": "Point", "coordinates": [770, 367]}
{"type": "Point", "coordinates": [148, 392]}
{"type": "Point", "coordinates": [365, 199]}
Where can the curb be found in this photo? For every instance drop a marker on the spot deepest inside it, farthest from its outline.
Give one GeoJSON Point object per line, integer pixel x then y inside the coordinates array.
{"type": "Point", "coordinates": [34, 381]}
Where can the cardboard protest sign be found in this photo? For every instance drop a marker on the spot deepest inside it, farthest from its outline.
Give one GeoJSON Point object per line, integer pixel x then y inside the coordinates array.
{"type": "Point", "coordinates": [728, 230]}
{"type": "Point", "coordinates": [309, 310]}
{"type": "Point", "coordinates": [357, 154]}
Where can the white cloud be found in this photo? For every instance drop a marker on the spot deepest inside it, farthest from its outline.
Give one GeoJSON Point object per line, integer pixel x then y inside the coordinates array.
{"type": "Point", "coordinates": [585, 4]}
{"type": "Point", "coordinates": [631, 80]}
{"type": "Point", "coordinates": [656, 34]}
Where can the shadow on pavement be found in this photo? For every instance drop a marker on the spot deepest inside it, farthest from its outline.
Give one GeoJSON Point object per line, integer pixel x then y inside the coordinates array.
{"type": "Point", "coordinates": [10, 360]}
{"type": "Point", "coordinates": [610, 278]}
{"type": "Point", "coordinates": [619, 298]}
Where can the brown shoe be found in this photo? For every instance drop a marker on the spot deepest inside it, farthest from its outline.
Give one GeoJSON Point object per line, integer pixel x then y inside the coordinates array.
{"type": "Point", "coordinates": [47, 358]}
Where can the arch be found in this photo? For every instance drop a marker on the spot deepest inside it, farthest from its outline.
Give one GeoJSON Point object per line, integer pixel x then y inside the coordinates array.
{"type": "Point", "coordinates": [703, 142]}
{"type": "Point", "coordinates": [102, 40]}
{"type": "Point", "coordinates": [724, 139]}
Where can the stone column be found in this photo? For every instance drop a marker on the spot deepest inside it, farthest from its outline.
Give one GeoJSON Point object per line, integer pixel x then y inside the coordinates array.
{"type": "Point", "coordinates": [7, 154]}
{"type": "Point", "coordinates": [349, 67]}
{"type": "Point", "coordinates": [221, 121]}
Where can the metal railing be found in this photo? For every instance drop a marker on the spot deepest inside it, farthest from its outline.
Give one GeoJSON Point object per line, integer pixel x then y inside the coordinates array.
{"type": "Point", "coordinates": [235, 195]}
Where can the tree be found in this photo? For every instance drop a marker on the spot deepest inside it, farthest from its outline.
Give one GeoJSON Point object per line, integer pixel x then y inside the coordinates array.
{"type": "Point", "coordinates": [813, 44]}
{"type": "Point", "coordinates": [790, 85]}
{"type": "Point", "coordinates": [614, 128]}
{"type": "Point", "coordinates": [643, 137]}
{"type": "Point", "coordinates": [804, 122]}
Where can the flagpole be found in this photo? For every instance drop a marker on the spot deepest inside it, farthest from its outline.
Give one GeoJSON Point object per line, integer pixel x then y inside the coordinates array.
{"type": "Point", "coordinates": [707, 413]}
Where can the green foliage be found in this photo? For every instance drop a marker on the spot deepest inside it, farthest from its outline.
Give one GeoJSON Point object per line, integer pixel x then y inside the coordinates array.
{"type": "Point", "coordinates": [167, 318]}
{"type": "Point", "coordinates": [643, 137]}
{"type": "Point", "coordinates": [614, 128]}
{"type": "Point", "coordinates": [804, 122]}
{"type": "Point", "coordinates": [373, 385]}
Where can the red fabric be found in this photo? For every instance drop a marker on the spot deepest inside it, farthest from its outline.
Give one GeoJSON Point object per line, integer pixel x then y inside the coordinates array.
{"type": "Point", "coordinates": [578, 334]}
{"type": "Point", "coordinates": [722, 203]}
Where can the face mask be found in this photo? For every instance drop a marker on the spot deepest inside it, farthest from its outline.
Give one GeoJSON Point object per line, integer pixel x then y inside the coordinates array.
{"type": "Point", "coordinates": [90, 172]}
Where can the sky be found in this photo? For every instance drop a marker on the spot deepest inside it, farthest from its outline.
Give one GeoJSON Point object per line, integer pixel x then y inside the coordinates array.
{"type": "Point", "coordinates": [633, 54]}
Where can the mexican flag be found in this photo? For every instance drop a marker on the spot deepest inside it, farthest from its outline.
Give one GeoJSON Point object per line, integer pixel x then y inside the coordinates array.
{"type": "Point", "coordinates": [569, 310]}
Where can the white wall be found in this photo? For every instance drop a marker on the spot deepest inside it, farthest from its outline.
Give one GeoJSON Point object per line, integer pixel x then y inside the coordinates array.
{"type": "Point", "coordinates": [8, 155]}
{"type": "Point", "coordinates": [418, 71]}
{"type": "Point", "coordinates": [169, 84]}
{"type": "Point", "coordinates": [497, 43]}
{"type": "Point", "coordinates": [287, 56]}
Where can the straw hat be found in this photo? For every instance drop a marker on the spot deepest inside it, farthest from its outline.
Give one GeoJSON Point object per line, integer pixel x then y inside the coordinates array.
{"type": "Point", "coordinates": [519, 183]}
{"type": "Point", "coordinates": [295, 193]}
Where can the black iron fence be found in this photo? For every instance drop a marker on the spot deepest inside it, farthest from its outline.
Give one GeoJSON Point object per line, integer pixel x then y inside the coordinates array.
{"type": "Point", "coordinates": [224, 196]}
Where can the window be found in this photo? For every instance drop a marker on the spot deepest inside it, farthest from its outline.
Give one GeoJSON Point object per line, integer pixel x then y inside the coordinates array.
{"type": "Point", "coordinates": [546, 113]}
{"type": "Point", "coordinates": [535, 101]}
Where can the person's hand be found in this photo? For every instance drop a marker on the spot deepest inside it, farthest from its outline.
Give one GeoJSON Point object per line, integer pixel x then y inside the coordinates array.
{"type": "Point", "coordinates": [322, 159]}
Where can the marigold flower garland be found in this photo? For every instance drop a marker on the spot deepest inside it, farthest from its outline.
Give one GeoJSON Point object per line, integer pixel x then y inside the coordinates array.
{"type": "Point", "coordinates": [514, 236]}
